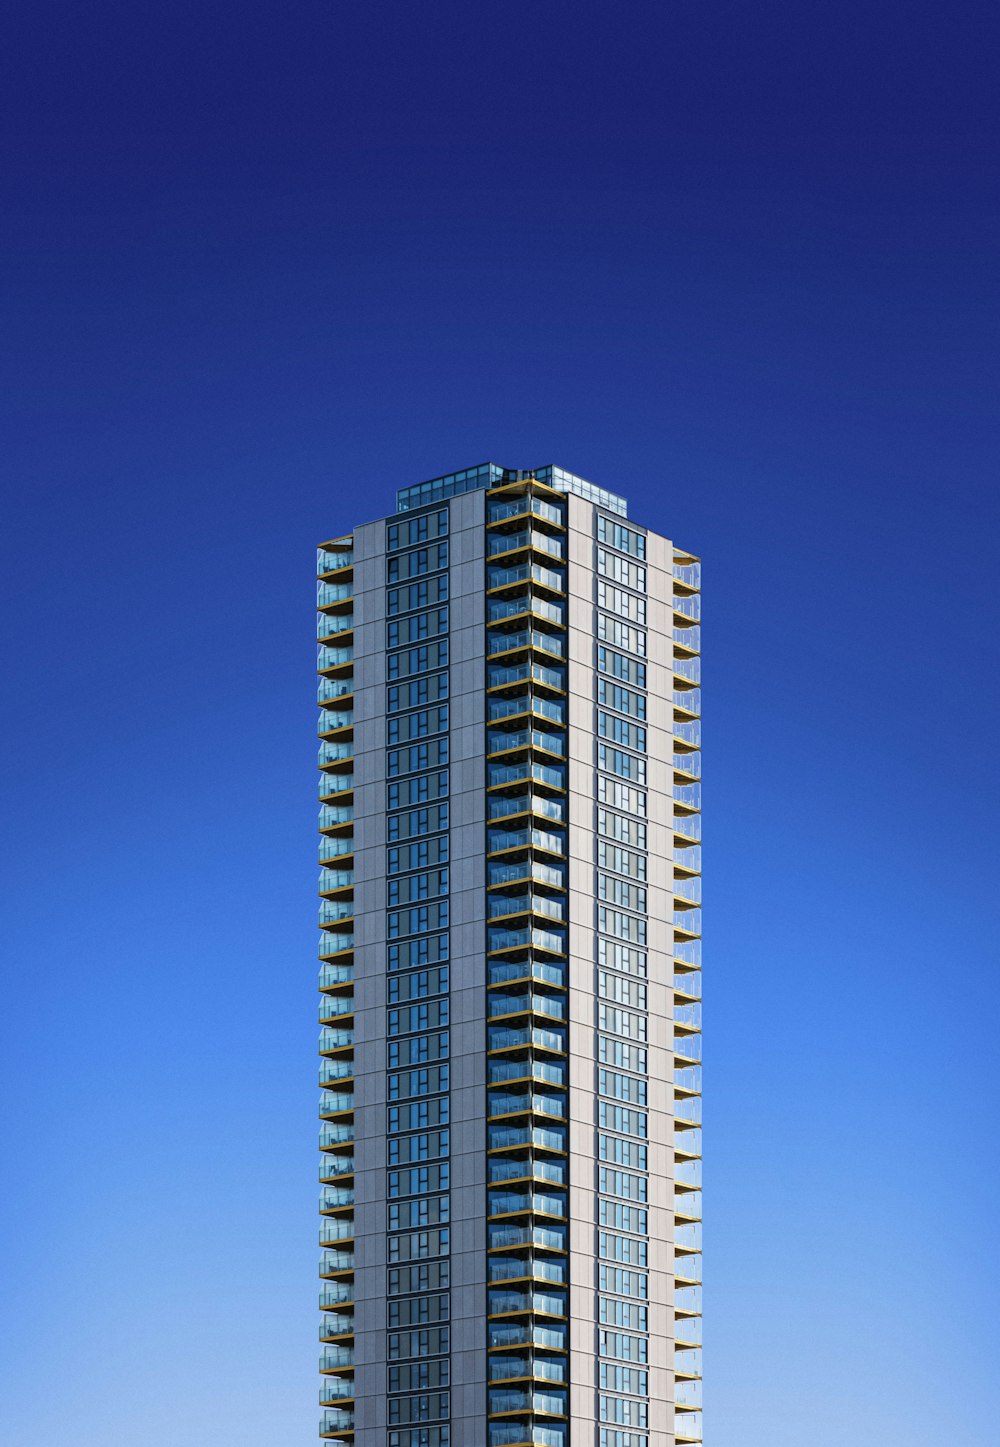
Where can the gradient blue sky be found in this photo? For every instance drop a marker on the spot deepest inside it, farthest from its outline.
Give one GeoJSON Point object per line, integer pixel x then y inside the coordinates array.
{"type": "Point", "coordinates": [262, 265]}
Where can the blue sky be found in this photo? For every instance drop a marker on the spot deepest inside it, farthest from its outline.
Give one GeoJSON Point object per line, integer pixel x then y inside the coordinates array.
{"type": "Point", "coordinates": [261, 267]}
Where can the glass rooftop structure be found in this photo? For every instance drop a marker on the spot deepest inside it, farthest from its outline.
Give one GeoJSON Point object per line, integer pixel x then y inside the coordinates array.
{"type": "Point", "coordinates": [488, 474]}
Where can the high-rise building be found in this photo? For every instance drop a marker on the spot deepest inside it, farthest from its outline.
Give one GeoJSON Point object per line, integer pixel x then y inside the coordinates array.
{"type": "Point", "coordinates": [510, 988]}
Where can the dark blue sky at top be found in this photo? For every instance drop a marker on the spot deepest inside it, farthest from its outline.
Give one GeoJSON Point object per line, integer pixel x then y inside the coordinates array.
{"type": "Point", "coordinates": [260, 267]}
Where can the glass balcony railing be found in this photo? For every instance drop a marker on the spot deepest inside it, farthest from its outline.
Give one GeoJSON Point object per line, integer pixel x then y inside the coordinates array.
{"type": "Point", "coordinates": [331, 688]}
{"type": "Point", "coordinates": [532, 869]}
{"type": "Point", "coordinates": [334, 1420]}
{"type": "Point", "coordinates": [515, 939]}
{"type": "Point", "coordinates": [688, 1174]}
{"type": "Point", "coordinates": [687, 733]}
{"type": "Point", "coordinates": [516, 1137]}
{"type": "Point", "coordinates": [504, 806]}
{"type": "Point", "coordinates": [334, 1039]}
{"type": "Point", "coordinates": [687, 1299]}
{"type": "Point", "coordinates": [506, 1400]}
{"type": "Point", "coordinates": [522, 1002]}
{"type": "Point", "coordinates": [507, 1203]}
{"type": "Point", "coordinates": [335, 911]}
{"type": "Point", "coordinates": [688, 1016]}
{"type": "Point", "coordinates": [688, 921]}
{"type": "Point", "coordinates": [689, 764]}
{"type": "Point", "coordinates": [688, 1238]}
{"type": "Point", "coordinates": [334, 1005]}
{"type": "Point", "coordinates": [687, 1363]}
{"type": "Point", "coordinates": [502, 1270]}
{"type": "Point", "coordinates": [503, 1169]}
{"type": "Point", "coordinates": [500, 676]}
{"type": "Point", "coordinates": [499, 609]}
{"type": "Point", "coordinates": [688, 796]}
{"type": "Point", "coordinates": [688, 607]}
{"type": "Point", "coordinates": [336, 1135]}
{"type": "Point", "coordinates": [335, 943]}
{"type": "Point", "coordinates": [332, 1166]}
{"type": "Point", "coordinates": [510, 1434]}
{"type": "Point", "coordinates": [500, 511]}
{"type": "Point", "coordinates": [327, 624]}
{"type": "Point", "coordinates": [688, 889]}
{"type": "Point", "coordinates": [689, 668]}
{"type": "Point", "coordinates": [329, 559]}
{"type": "Point", "coordinates": [327, 657]}
{"type": "Point", "coordinates": [334, 1323]}
{"type": "Point", "coordinates": [527, 638]}
{"type": "Point", "coordinates": [335, 719]}
{"type": "Point", "coordinates": [688, 574]}
{"type": "Point", "coordinates": [335, 849]}
{"type": "Point", "coordinates": [687, 1049]}
{"type": "Point", "coordinates": [688, 699]}
{"type": "Point", "coordinates": [549, 1072]}
{"type": "Point", "coordinates": [687, 1079]}
{"type": "Point", "coordinates": [527, 573]}
{"type": "Point", "coordinates": [498, 741]}
{"type": "Point", "coordinates": [335, 784]}
{"type": "Point", "coordinates": [688, 856]}
{"type": "Point", "coordinates": [503, 972]}
{"type": "Point", "coordinates": [516, 1102]}
{"type": "Point", "coordinates": [327, 594]}
{"type": "Point", "coordinates": [337, 1293]}
{"type": "Point", "coordinates": [687, 1331]}
{"type": "Point", "coordinates": [502, 905]}
{"type": "Point", "coordinates": [501, 708]}
{"type": "Point", "coordinates": [332, 1198]}
{"type": "Point", "coordinates": [332, 1262]}
{"type": "Point", "coordinates": [524, 838]}
{"type": "Point", "coordinates": [687, 1108]}
{"type": "Point", "coordinates": [544, 1238]}
{"type": "Point", "coordinates": [689, 638]}
{"type": "Point", "coordinates": [330, 1231]}
{"type": "Point", "coordinates": [330, 879]}
{"type": "Point", "coordinates": [547, 1302]}
{"type": "Point", "coordinates": [500, 543]}
{"type": "Point", "coordinates": [334, 753]}
{"type": "Point", "coordinates": [332, 975]}
{"type": "Point", "coordinates": [688, 952]}
{"type": "Point", "coordinates": [331, 815]}
{"type": "Point", "coordinates": [527, 773]}
{"type": "Point", "coordinates": [688, 984]}
{"type": "Point", "coordinates": [335, 1102]}
{"type": "Point", "coordinates": [503, 1038]}
{"type": "Point", "coordinates": [524, 1333]}
{"type": "Point", "coordinates": [331, 1072]}
{"type": "Point", "coordinates": [505, 1369]}
{"type": "Point", "coordinates": [334, 1359]}
{"type": "Point", "coordinates": [688, 1268]}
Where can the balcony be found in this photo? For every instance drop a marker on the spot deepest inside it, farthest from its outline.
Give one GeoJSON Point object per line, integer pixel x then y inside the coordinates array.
{"type": "Point", "coordinates": [335, 912]}
{"type": "Point", "coordinates": [687, 1017]}
{"type": "Point", "coordinates": [687, 829]}
{"type": "Point", "coordinates": [336, 1263]}
{"type": "Point", "coordinates": [542, 1303]}
{"type": "Point", "coordinates": [339, 1293]}
{"type": "Point", "coordinates": [333, 847]}
{"type": "Point", "coordinates": [687, 1270]}
{"type": "Point", "coordinates": [687, 1080]}
{"type": "Point", "coordinates": [506, 776]}
{"type": "Point", "coordinates": [688, 734]}
{"type": "Point", "coordinates": [687, 984]}
{"type": "Point", "coordinates": [330, 660]}
{"type": "Point", "coordinates": [335, 787]}
{"type": "Point", "coordinates": [687, 1332]}
{"type": "Point", "coordinates": [526, 703]}
{"type": "Point", "coordinates": [335, 1007]}
{"type": "Point", "coordinates": [687, 573]}
{"type": "Point", "coordinates": [505, 840]}
{"type": "Point", "coordinates": [498, 579]}
{"type": "Point", "coordinates": [687, 797]}
{"type": "Point", "coordinates": [687, 1175]}
{"type": "Point", "coordinates": [687, 892]}
{"type": "Point", "coordinates": [503, 610]}
{"type": "Point", "coordinates": [687, 606]}
{"type": "Point", "coordinates": [338, 719]}
{"type": "Point", "coordinates": [516, 674]}
{"type": "Point", "coordinates": [687, 859]}
{"type": "Point", "coordinates": [688, 638]}
{"type": "Point", "coordinates": [337, 1359]}
{"type": "Point", "coordinates": [527, 1368]}
{"type": "Point", "coordinates": [503, 1271]}
{"type": "Point", "coordinates": [525, 1103]}
{"type": "Point", "coordinates": [331, 977]}
{"type": "Point", "coordinates": [335, 816]}
{"type": "Point", "coordinates": [502, 906]}
{"type": "Point", "coordinates": [500, 643]}
{"type": "Point", "coordinates": [526, 1003]}
{"type": "Point", "coordinates": [335, 1199]}
{"type": "Point", "coordinates": [332, 945]}
{"type": "Point", "coordinates": [687, 1238]}
{"type": "Point", "coordinates": [686, 767]}
{"type": "Point", "coordinates": [506, 1334]}
{"type": "Point", "coordinates": [687, 952]}
{"type": "Point", "coordinates": [336, 1421]}
{"type": "Point", "coordinates": [687, 1364]}
{"type": "Point", "coordinates": [333, 1230]}
{"type": "Point", "coordinates": [335, 1324]}
{"type": "Point", "coordinates": [339, 1134]}
{"type": "Point", "coordinates": [687, 924]}
{"type": "Point", "coordinates": [504, 1170]}
{"type": "Point", "coordinates": [517, 1137]}
{"type": "Point", "coordinates": [687, 702]}
{"type": "Point", "coordinates": [512, 1238]}
{"type": "Point", "coordinates": [525, 871]}
{"type": "Point", "coordinates": [332, 625]}
{"type": "Point", "coordinates": [500, 1038]}
{"type": "Point", "coordinates": [499, 544]}
{"type": "Point", "coordinates": [687, 1425]}
{"type": "Point", "coordinates": [509, 972]}
{"type": "Point", "coordinates": [330, 689]}
{"type": "Point", "coordinates": [525, 1203]}
{"type": "Point", "coordinates": [503, 806]}
{"type": "Point", "coordinates": [549, 1404]}
{"type": "Point", "coordinates": [332, 881]}
{"type": "Point", "coordinates": [500, 512]}
{"type": "Point", "coordinates": [503, 941]}
{"type": "Point", "coordinates": [514, 1434]}
{"type": "Point", "coordinates": [687, 1049]}
{"type": "Point", "coordinates": [333, 595]}
{"type": "Point", "coordinates": [500, 742]}
{"type": "Point", "coordinates": [546, 1072]}
{"type": "Point", "coordinates": [332, 1167]}
{"type": "Point", "coordinates": [687, 1113]}
{"type": "Point", "coordinates": [335, 754]}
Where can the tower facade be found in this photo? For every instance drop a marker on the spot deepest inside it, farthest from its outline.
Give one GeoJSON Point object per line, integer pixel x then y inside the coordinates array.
{"type": "Point", "coordinates": [510, 986]}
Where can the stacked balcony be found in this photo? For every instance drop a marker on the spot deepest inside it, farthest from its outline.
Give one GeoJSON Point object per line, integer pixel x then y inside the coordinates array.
{"type": "Point", "coordinates": [527, 999]}
{"type": "Point", "coordinates": [687, 995]}
{"type": "Point", "coordinates": [335, 665]}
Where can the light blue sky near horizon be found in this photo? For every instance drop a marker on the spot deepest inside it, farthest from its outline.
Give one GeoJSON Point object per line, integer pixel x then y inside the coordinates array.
{"type": "Point", "coordinates": [259, 272]}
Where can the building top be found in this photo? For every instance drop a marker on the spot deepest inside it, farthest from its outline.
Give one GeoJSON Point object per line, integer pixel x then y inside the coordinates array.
{"type": "Point", "coordinates": [488, 474]}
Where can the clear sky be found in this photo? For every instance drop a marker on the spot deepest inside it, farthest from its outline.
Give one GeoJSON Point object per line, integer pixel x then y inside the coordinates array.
{"type": "Point", "coordinates": [260, 266]}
